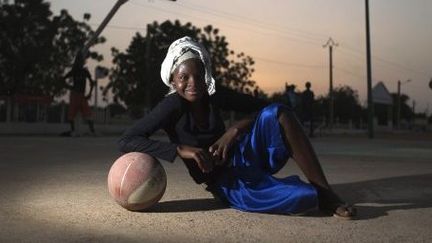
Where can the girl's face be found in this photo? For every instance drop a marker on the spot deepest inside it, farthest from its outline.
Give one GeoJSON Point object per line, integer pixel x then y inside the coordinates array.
{"type": "Point", "coordinates": [188, 80]}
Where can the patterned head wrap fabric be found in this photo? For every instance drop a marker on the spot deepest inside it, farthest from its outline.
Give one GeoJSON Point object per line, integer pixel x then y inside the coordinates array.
{"type": "Point", "coordinates": [181, 50]}
{"type": "Point", "coordinates": [189, 54]}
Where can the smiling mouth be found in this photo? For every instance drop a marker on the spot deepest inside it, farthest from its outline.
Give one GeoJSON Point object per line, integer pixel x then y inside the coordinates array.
{"type": "Point", "coordinates": [192, 92]}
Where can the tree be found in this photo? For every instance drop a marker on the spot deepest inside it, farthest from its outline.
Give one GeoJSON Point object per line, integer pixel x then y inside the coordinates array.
{"type": "Point", "coordinates": [135, 78]}
{"type": "Point", "coordinates": [346, 104]}
{"type": "Point", "coordinates": [406, 113]}
{"type": "Point", "coordinates": [37, 47]}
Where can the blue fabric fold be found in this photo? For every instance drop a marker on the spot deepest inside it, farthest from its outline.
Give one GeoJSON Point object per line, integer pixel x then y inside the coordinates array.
{"type": "Point", "coordinates": [249, 185]}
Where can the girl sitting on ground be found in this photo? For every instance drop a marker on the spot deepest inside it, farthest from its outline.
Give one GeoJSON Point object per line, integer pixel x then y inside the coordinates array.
{"type": "Point", "coordinates": [237, 164]}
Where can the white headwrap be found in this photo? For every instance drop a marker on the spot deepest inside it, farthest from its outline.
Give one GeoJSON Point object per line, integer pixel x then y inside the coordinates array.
{"type": "Point", "coordinates": [176, 51]}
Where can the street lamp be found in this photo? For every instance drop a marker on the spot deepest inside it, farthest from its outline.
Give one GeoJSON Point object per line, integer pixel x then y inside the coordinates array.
{"type": "Point", "coordinates": [399, 100]}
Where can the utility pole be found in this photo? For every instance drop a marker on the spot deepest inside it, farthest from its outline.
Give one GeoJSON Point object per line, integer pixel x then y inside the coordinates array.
{"type": "Point", "coordinates": [399, 101]}
{"type": "Point", "coordinates": [369, 76]}
{"type": "Point", "coordinates": [330, 43]}
{"type": "Point", "coordinates": [413, 107]}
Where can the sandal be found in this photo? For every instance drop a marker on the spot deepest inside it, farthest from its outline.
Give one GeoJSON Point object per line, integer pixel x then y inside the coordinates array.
{"type": "Point", "coordinates": [345, 211]}
{"type": "Point", "coordinates": [332, 205]}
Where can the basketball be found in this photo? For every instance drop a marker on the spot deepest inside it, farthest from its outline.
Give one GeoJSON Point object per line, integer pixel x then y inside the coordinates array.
{"type": "Point", "coordinates": [136, 181]}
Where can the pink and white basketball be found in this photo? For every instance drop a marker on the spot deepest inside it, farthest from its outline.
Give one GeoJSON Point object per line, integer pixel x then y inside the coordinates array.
{"type": "Point", "coordinates": [136, 181]}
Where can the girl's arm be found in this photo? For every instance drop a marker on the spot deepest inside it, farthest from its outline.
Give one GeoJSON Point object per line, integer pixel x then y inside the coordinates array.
{"type": "Point", "coordinates": [137, 138]}
{"type": "Point", "coordinates": [228, 99]}
{"type": "Point", "coordinates": [217, 153]}
{"type": "Point", "coordinates": [64, 79]}
{"type": "Point", "coordinates": [202, 157]}
{"type": "Point", "coordinates": [91, 82]}
{"type": "Point", "coordinates": [221, 147]}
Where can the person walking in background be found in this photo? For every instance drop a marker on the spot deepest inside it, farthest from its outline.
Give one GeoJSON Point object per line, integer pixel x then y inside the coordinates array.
{"type": "Point", "coordinates": [308, 98]}
{"type": "Point", "coordinates": [78, 101]}
{"type": "Point", "coordinates": [291, 96]}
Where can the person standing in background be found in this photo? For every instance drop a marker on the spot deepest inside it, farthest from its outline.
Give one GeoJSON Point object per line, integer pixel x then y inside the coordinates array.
{"type": "Point", "coordinates": [78, 101]}
{"type": "Point", "coordinates": [291, 96]}
{"type": "Point", "coordinates": [308, 99]}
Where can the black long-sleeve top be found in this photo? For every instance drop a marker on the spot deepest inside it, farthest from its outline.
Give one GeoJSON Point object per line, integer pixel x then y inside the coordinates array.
{"type": "Point", "coordinates": [173, 116]}
{"type": "Point", "coordinates": [79, 77]}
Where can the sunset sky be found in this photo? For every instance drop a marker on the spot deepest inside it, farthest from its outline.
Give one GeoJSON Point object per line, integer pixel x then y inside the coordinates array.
{"type": "Point", "coordinates": [286, 38]}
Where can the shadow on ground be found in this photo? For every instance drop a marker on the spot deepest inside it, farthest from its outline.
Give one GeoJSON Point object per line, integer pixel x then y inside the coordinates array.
{"type": "Point", "coordinates": [188, 205]}
{"type": "Point", "coordinates": [373, 198]}
{"type": "Point", "coordinates": [376, 198]}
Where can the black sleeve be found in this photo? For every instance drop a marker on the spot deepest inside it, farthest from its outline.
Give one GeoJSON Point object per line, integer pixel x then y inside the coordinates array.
{"type": "Point", "coordinates": [136, 138]}
{"type": "Point", "coordinates": [231, 100]}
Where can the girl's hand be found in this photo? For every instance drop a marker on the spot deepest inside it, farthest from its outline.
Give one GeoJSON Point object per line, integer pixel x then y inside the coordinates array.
{"type": "Point", "coordinates": [220, 148]}
{"type": "Point", "coordinates": [201, 157]}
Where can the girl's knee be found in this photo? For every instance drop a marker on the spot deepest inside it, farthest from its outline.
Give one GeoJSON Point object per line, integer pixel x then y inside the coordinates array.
{"type": "Point", "coordinates": [285, 116]}
{"type": "Point", "coordinates": [278, 114]}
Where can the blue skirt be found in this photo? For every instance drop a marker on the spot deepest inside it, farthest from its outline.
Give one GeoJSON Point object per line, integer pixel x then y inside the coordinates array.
{"type": "Point", "coordinates": [248, 183]}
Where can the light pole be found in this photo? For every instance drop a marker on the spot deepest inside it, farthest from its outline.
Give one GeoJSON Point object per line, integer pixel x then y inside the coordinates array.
{"type": "Point", "coordinates": [330, 43]}
{"type": "Point", "coordinates": [399, 100]}
{"type": "Point", "coordinates": [369, 75]}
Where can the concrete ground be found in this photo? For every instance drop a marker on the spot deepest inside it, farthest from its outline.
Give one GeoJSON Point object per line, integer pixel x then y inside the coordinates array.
{"type": "Point", "coordinates": [54, 189]}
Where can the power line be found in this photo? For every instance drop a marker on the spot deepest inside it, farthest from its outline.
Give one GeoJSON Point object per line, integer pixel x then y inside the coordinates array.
{"type": "Point", "coordinates": [267, 60]}
{"type": "Point", "coordinates": [346, 49]}
{"type": "Point", "coordinates": [185, 15]}
{"type": "Point", "coordinates": [350, 72]}
{"type": "Point", "coordinates": [252, 21]}
{"type": "Point", "coordinates": [248, 20]}
{"type": "Point", "coordinates": [166, 11]}
{"type": "Point", "coordinates": [282, 29]}
{"type": "Point", "coordinates": [383, 60]}
{"type": "Point", "coordinates": [256, 25]}
{"type": "Point", "coordinates": [121, 27]}
{"type": "Point", "coordinates": [254, 57]}
{"type": "Point", "coordinates": [288, 64]}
